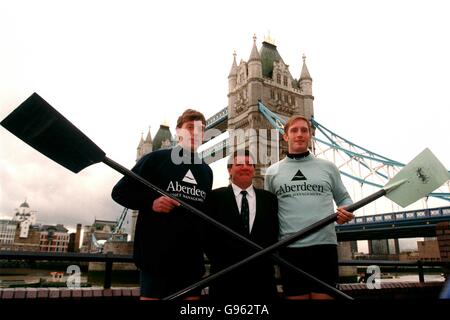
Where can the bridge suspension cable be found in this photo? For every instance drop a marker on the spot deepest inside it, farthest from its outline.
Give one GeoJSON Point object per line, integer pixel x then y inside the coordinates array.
{"type": "Point", "coordinates": [372, 168]}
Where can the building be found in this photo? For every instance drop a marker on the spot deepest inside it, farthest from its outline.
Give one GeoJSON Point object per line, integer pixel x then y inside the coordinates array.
{"type": "Point", "coordinates": [407, 255]}
{"type": "Point", "coordinates": [24, 213]}
{"type": "Point", "coordinates": [354, 246]}
{"type": "Point", "coordinates": [384, 247]}
{"type": "Point", "coordinates": [265, 77]}
{"type": "Point", "coordinates": [429, 250]}
{"type": "Point", "coordinates": [21, 233]}
{"type": "Point", "coordinates": [45, 238]}
{"type": "Point", "coordinates": [102, 229]}
{"type": "Point", "coordinates": [71, 245]}
{"type": "Point", "coordinates": [98, 233]}
{"type": "Point", "coordinates": [7, 231]}
{"type": "Point", "coordinates": [163, 140]}
{"type": "Point", "coordinates": [145, 146]}
{"type": "Point", "coordinates": [443, 238]}
{"type": "Point", "coordinates": [77, 238]}
{"type": "Point", "coordinates": [53, 238]}
{"type": "Point", "coordinates": [29, 243]}
{"type": "Point", "coordinates": [74, 240]}
{"type": "Point", "coordinates": [26, 218]}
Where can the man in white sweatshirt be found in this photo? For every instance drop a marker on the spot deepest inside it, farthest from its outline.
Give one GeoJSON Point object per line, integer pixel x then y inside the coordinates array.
{"type": "Point", "coordinates": [306, 188]}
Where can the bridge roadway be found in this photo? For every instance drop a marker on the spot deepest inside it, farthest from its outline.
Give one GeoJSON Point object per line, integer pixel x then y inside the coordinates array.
{"type": "Point", "coordinates": [404, 224]}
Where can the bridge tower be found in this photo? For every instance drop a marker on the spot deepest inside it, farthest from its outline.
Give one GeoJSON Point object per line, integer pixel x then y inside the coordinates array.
{"type": "Point", "coordinates": [144, 147]}
{"type": "Point", "coordinates": [265, 77]}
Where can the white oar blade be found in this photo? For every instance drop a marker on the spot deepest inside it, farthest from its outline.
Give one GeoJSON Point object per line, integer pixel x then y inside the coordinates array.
{"type": "Point", "coordinates": [424, 174]}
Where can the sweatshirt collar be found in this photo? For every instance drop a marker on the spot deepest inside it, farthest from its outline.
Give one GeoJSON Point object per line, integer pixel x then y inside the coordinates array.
{"type": "Point", "coordinates": [298, 156]}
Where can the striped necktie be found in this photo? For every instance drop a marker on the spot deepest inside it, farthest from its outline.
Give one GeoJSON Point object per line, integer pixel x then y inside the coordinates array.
{"type": "Point", "coordinates": [245, 212]}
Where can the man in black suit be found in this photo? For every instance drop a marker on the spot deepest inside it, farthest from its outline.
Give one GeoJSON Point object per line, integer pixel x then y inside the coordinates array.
{"type": "Point", "coordinates": [253, 213]}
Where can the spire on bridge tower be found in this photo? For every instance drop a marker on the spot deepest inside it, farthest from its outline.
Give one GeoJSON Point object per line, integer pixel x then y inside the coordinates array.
{"type": "Point", "coordinates": [254, 62]}
{"type": "Point", "coordinates": [232, 76]}
{"type": "Point", "coordinates": [148, 139]}
{"type": "Point", "coordinates": [145, 146]}
{"type": "Point", "coordinates": [269, 39]}
{"type": "Point", "coordinates": [254, 55]}
{"type": "Point", "coordinates": [305, 73]}
{"type": "Point", "coordinates": [306, 88]}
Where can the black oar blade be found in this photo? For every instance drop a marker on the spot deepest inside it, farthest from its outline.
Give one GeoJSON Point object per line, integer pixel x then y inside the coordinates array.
{"type": "Point", "coordinates": [38, 124]}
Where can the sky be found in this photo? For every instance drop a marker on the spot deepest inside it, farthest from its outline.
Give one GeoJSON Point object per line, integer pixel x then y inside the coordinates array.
{"type": "Point", "coordinates": [115, 68]}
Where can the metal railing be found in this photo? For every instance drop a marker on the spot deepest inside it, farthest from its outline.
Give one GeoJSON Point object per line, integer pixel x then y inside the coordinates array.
{"type": "Point", "coordinates": [403, 215]}
{"type": "Point", "coordinates": [420, 264]}
{"type": "Point", "coordinates": [107, 258]}
{"type": "Point", "coordinates": [216, 118]}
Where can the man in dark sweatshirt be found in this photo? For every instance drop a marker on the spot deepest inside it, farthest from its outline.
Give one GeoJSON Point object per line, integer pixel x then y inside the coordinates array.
{"type": "Point", "coordinates": [168, 247]}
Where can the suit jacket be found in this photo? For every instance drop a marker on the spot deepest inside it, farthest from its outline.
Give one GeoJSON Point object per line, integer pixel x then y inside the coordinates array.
{"type": "Point", "coordinates": [255, 281]}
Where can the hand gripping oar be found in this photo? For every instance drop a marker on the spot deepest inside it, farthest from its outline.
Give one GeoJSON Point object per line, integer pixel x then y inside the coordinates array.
{"type": "Point", "coordinates": [418, 178]}
{"type": "Point", "coordinates": [38, 124]}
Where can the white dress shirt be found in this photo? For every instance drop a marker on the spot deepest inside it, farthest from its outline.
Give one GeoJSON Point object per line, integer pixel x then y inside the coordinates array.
{"type": "Point", "coordinates": [251, 198]}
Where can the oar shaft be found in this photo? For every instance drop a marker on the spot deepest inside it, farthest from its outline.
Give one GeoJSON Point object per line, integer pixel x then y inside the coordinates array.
{"type": "Point", "coordinates": [361, 203]}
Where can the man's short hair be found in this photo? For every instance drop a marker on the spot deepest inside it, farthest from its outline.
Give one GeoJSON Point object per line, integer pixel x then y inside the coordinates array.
{"type": "Point", "coordinates": [294, 118]}
{"type": "Point", "coordinates": [190, 115]}
{"type": "Point", "coordinates": [240, 152]}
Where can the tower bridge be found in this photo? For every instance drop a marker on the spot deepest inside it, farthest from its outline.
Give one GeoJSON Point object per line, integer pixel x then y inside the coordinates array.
{"type": "Point", "coordinates": [262, 95]}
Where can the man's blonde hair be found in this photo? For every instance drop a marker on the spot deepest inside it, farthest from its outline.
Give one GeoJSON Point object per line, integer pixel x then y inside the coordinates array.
{"type": "Point", "coordinates": [294, 118]}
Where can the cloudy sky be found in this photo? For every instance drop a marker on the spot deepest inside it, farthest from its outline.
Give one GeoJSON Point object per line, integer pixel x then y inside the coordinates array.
{"type": "Point", "coordinates": [113, 68]}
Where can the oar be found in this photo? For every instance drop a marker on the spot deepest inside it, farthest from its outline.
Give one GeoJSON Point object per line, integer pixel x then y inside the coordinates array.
{"type": "Point", "coordinates": [38, 124]}
{"type": "Point", "coordinates": [418, 178]}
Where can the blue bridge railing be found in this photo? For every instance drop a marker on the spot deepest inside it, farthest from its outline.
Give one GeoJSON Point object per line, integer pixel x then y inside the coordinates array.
{"type": "Point", "coordinates": [403, 215]}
